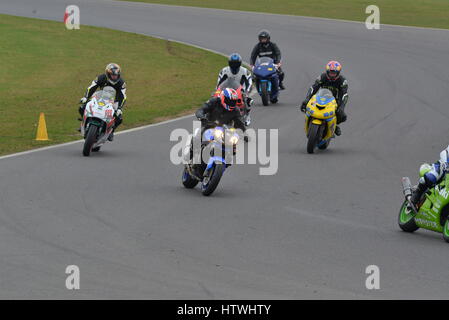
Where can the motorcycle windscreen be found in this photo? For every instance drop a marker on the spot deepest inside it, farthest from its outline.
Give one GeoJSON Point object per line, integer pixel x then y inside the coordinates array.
{"type": "Point", "coordinates": [230, 83]}
{"type": "Point", "coordinates": [324, 96]}
{"type": "Point", "coordinates": [106, 96]}
{"type": "Point", "coordinates": [264, 67]}
{"type": "Point", "coordinates": [264, 61]}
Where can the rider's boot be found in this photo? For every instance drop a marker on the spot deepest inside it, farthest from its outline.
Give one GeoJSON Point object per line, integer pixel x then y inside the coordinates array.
{"type": "Point", "coordinates": [337, 131]}
{"type": "Point", "coordinates": [417, 194]}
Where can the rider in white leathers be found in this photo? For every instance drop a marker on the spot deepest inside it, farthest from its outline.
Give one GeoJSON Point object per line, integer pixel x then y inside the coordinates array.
{"type": "Point", "coordinates": [239, 74]}
{"type": "Point", "coordinates": [434, 173]}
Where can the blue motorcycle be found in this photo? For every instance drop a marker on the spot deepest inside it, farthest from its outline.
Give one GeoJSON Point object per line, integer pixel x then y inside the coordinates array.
{"type": "Point", "coordinates": [267, 80]}
{"type": "Point", "coordinates": [209, 172]}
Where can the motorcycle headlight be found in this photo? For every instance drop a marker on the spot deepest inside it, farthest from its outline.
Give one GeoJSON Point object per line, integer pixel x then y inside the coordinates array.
{"type": "Point", "coordinates": [218, 134]}
{"type": "Point", "coordinates": [234, 140]}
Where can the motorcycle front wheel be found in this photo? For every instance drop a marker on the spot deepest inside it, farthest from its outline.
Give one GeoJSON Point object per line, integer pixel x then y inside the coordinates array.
{"type": "Point", "coordinates": [313, 137]}
{"type": "Point", "coordinates": [210, 182]}
{"type": "Point", "coordinates": [264, 93]}
{"type": "Point", "coordinates": [91, 138]}
{"type": "Point", "coordinates": [406, 219]}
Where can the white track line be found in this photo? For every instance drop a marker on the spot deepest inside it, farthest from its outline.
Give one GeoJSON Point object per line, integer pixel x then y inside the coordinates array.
{"type": "Point", "coordinates": [81, 140]}
{"type": "Point", "coordinates": [129, 130]}
{"type": "Point", "coordinates": [195, 46]}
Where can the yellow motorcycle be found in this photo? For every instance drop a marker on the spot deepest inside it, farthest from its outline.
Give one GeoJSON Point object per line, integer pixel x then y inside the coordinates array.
{"type": "Point", "coordinates": [321, 120]}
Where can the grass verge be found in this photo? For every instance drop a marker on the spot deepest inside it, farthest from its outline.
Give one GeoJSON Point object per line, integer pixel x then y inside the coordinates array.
{"type": "Point", "coordinates": [420, 13]}
{"type": "Point", "coordinates": [47, 68]}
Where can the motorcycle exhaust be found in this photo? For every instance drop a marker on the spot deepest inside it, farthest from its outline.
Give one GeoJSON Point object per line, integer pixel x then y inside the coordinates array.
{"type": "Point", "coordinates": [407, 187]}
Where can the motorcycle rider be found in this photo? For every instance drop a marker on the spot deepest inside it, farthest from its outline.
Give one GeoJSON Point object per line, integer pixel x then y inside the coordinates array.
{"type": "Point", "coordinates": [112, 78]}
{"type": "Point", "coordinates": [432, 174]}
{"type": "Point", "coordinates": [267, 48]}
{"type": "Point", "coordinates": [240, 74]}
{"type": "Point", "coordinates": [222, 109]}
{"type": "Point", "coordinates": [337, 84]}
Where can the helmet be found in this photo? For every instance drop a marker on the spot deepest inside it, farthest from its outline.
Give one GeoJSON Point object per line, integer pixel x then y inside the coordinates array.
{"type": "Point", "coordinates": [264, 34]}
{"type": "Point", "coordinates": [229, 99]}
{"type": "Point", "coordinates": [444, 155]}
{"type": "Point", "coordinates": [424, 168]}
{"type": "Point", "coordinates": [113, 72]}
{"type": "Point", "coordinates": [235, 61]}
{"type": "Point", "coordinates": [333, 69]}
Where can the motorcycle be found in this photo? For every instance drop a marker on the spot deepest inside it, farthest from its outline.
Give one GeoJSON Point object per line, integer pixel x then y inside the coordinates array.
{"type": "Point", "coordinates": [431, 212]}
{"type": "Point", "coordinates": [267, 80]}
{"type": "Point", "coordinates": [98, 120]}
{"type": "Point", "coordinates": [320, 122]}
{"type": "Point", "coordinates": [216, 138]}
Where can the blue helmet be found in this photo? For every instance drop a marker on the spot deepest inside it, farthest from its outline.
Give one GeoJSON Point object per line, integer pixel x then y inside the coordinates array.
{"type": "Point", "coordinates": [235, 61]}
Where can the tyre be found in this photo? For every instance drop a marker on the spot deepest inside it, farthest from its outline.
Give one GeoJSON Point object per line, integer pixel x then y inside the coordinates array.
{"type": "Point", "coordinates": [264, 93]}
{"type": "Point", "coordinates": [324, 145]}
{"type": "Point", "coordinates": [91, 138]}
{"type": "Point", "coordinates": [210, 183]}
{"type": "Point", "coordinates": [313, 137]}
{"type": "Point", "coordinates": [406, 219]}
{"type": "Point", "coordinates": [187, 180]}
{"type": "Point", "coordinates": [446, 230]}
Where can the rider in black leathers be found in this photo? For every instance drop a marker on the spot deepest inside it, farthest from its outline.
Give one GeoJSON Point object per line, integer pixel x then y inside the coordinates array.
{"type": "Point", "coordinates": [111, 78]}
{"type": "Point", "coordinates": [337, 84]}
{"type": "Point", "coordinates": [267, 48]}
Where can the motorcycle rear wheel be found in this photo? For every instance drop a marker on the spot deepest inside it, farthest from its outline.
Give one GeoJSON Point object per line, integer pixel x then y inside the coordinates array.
{"type": "Point", "coordinates": [187, 180]}
{"type": "Point", "coordinates": [446, 230]}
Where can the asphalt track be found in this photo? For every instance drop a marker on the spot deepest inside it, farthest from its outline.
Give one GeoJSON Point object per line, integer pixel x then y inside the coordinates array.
{"type": "Point", "coordinates": [309, 231]}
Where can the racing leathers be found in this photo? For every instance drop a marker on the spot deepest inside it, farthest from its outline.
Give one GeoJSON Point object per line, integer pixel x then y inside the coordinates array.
{"type": "Point", "coordinates": [437, 171]}
{"type": "Point", "coordinates": [120, 98]}
{"type": "Point", "coordinates": [338, 87]}
{"type": "Point", "coordinates": [244, 78]}
{"type": "Point", "coordinates": [213, 110]}
{"type": "Point", "coordinates": [271, 50]}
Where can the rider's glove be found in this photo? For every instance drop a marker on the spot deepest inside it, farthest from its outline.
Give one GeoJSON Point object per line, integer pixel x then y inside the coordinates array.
{"type": "Point", "coordinates": [202, 118]}
{"type": "Point", "coordinates": [247, 120]}
{"type": "Point", "coordinates": [342, 115]}
{"type": "Point", "coordinates": [303, 106]}
{"type": "Point", "coordinates": [83, 100]}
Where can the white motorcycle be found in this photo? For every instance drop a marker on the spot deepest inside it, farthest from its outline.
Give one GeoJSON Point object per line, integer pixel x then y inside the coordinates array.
{"type": "Point", "coordinates": [98, 120]}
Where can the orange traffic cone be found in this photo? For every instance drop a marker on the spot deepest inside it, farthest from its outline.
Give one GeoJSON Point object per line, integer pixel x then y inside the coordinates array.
{"type": "Point", "coordinates": [42, 129]}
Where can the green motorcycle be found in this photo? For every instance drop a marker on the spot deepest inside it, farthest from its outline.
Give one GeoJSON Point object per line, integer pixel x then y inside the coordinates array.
{"type": "Point", "coordinates": [431, 212]}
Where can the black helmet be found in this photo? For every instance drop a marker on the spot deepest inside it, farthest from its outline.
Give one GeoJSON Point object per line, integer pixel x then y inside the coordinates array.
{"type": "Point", "coordinates": [235, 61]}
{"type": "Point", "coordinates": [264, 34]}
